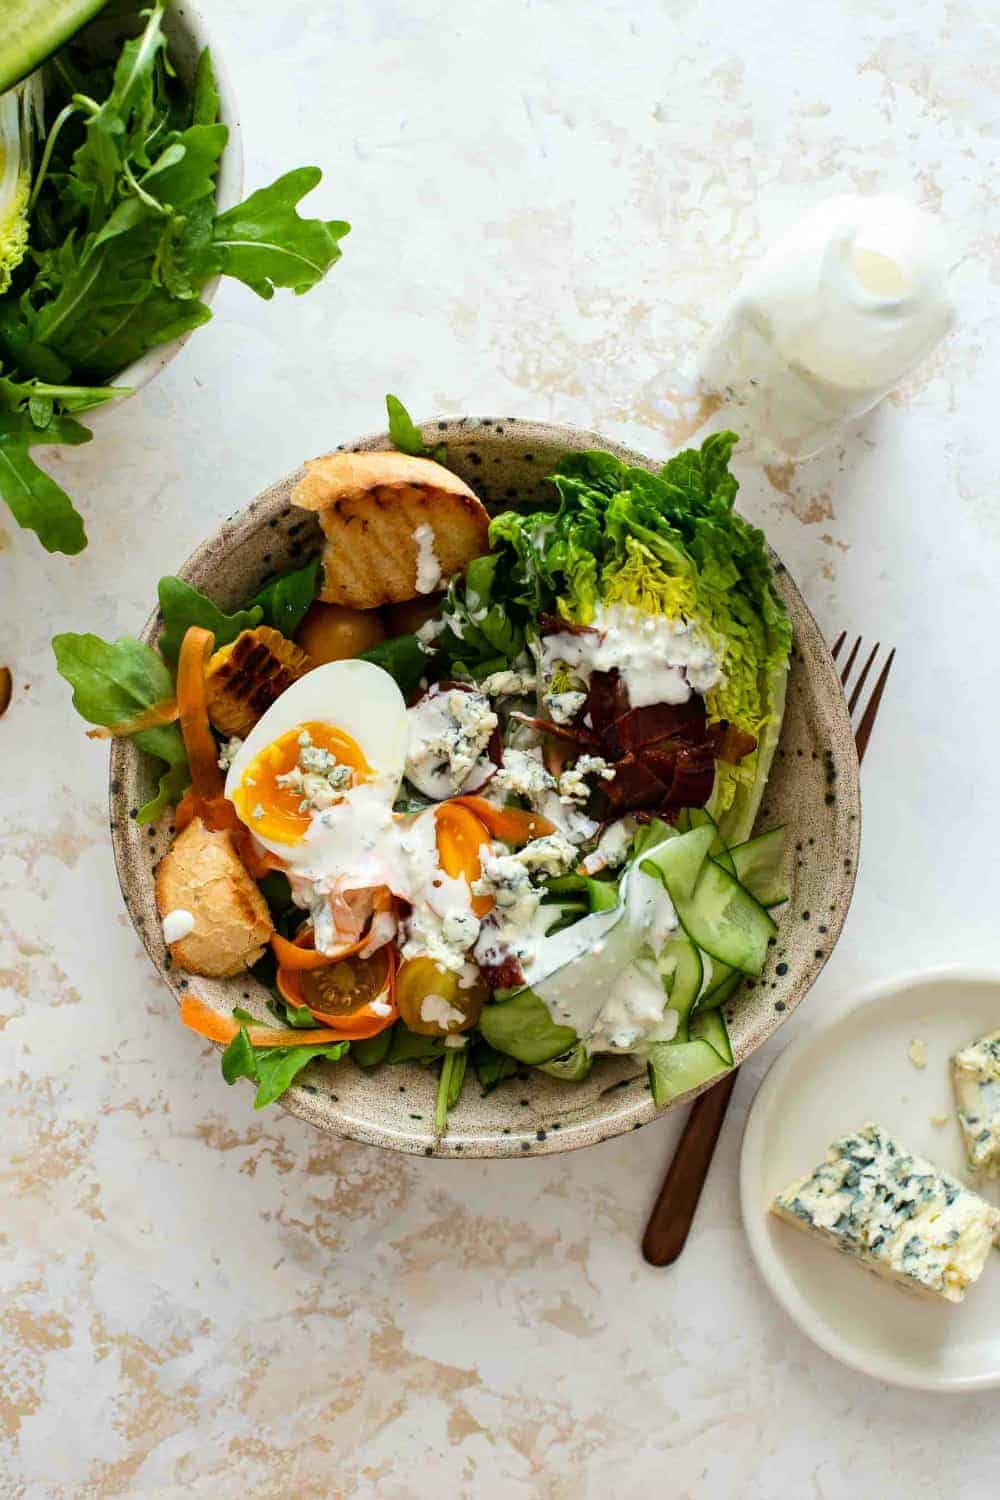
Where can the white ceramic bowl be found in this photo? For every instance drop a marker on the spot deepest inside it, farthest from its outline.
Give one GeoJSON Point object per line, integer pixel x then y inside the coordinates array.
{"type": "Point", "coordinates": [858, 1068]}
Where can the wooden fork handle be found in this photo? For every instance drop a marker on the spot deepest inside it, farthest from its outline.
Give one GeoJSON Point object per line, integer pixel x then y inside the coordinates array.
{"type": "Point", "coordinates": [674, 1211]}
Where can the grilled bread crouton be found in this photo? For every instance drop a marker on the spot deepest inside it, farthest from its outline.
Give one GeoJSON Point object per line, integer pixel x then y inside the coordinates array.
{"type": "Point", "coordinates": [202, 875]}
{"type": "Point", "coordinates": [395, 526]}
{"type": "Point", "coordinates": [245, 677]}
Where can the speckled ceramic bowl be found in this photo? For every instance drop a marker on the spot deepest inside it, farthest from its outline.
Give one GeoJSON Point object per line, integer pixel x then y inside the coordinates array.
{"type": "Point", "coordinates": [813, 790]}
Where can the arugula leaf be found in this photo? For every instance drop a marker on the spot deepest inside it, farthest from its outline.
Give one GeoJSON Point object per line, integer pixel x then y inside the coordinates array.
{"type": "Point", "coordinates": [484, 631]}
{"type": "Point", "coordinates": [406, 435]}
{"type": "Point", "coordinates": [115, 681]}
{"type": "Point", "coordinates": [284, 599]}
{"type": "Point", "coordinates": [125, 117]}
{"type": "Point", "coordinates": [278, 1067]}
{"type": "Point", "coordinates": [299, 1017]}
{"type": "Point", "coordinates": [183, 606]}
{"type": "Point", "coordinates": [273, 1069]}
{"type": "Point", "coordinates": [265, 243]}
{"type": "Point", "coordinates": [404, 658]}
{"type": "Point", "coordinates": [28, 418]}
{"type": "Point", "coordinates": [238, 1059]}
{"type": "Point", "coordinates": [205, 103]}
{"type": "Point", "coordinates": [123, 236]}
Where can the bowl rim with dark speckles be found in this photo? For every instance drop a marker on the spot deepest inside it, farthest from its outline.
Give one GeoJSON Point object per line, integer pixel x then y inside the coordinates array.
{"type": "Point", "coordinates": [814, 782]}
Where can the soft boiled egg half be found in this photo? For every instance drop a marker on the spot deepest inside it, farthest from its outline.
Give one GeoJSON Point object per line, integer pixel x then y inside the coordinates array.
{"type": "Point", "coordinates": [352, 709]}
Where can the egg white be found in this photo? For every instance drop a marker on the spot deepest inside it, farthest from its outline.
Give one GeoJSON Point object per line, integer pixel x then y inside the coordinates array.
{"type": "Point", "coordinates": [361, 700]}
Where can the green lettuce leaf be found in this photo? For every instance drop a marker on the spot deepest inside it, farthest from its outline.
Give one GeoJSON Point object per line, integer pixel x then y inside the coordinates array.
{"type": "Point", "coordinates": [114, 681]}
{"type": "Point", "coordinates": [284, 599]}
{"type": "Point", "coordinates": [182, 606]}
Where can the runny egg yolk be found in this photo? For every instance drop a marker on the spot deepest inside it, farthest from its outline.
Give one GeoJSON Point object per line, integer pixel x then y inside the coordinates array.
{"type": "Point", "coordinates": [282, 813]}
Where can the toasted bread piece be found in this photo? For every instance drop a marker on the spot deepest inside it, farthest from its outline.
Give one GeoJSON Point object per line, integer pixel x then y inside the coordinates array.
{"type": "Point", "coordinates": [245, 677]}
{"type": "Point", "coordinates": [370, 505]}
{"type": "Point", "coordinates": [202, 873]}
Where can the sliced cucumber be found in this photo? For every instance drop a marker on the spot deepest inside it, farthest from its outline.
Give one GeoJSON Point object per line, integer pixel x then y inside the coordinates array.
{"type": "Point", "coordinates": [600, 895]}
{"type": "Point", "coordinates": [723, 918]}
{"type": "Point", "coordinates": [710, 1026]}
{"type": "Point", "coordinates": [760, 866]}
{"type": "Point", "coordinates": [681, 967]}
{"type": "Point", "coordinates": [678, 863]}
{"type": "Point", "coordinates": [723, 986]}
{"type": "Point", "coordinates": [31, 31]}
{"type": "Point", "coordinates": [675, 1067]}
{"type": "Point", "coordinates": [572, 1066]}
{"type": "Point", "coordinates": [654, 833]}
{"type": "Point", "coordinates": [700, 817]}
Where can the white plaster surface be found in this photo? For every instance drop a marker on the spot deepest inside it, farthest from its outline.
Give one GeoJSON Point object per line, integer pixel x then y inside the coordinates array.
{"type": "Point", "coordinates": [551, 199]}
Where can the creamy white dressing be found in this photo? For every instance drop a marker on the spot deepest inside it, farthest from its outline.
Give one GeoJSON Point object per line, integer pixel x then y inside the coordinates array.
{"type": "Point", "coordinates": [660, 660]}
{"type": "Point", "coordinates": [599, 976]}
{"type": "Point", "coordinates": [833, 317]}
{"type": "Point", "coordinates": [428, 566]}
{"type": "Point", "coordinates": [437, 1011]}
{"type": "Point", "coordinates": [177, 925]}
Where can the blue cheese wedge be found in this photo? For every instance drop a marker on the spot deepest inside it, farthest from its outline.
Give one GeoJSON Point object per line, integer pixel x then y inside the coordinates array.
{"type": "Point", "coordinates": [975, 1073]}
{"type": "Point", "coordinates": [896, 1213]}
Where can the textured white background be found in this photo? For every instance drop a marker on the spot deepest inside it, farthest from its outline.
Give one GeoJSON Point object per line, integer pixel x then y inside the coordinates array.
{"type": "Point", "coordinates": [551, 201]}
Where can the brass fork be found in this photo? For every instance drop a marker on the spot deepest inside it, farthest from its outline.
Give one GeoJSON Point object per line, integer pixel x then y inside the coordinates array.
{"type": "Point", "coordinates": [673, 1213]}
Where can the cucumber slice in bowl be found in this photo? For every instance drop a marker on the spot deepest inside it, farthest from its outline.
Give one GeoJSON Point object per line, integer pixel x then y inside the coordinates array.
{"type": "Point", "coordinates": [675, 1067]}
{"type": "Point", "coordinates": [31, 30]}
{"type": "Point", "coordinates": [715, 910]}
{"type": "Point", "coordinates": [759, 864]}
{"type": "Point", "coordinates": [681, 968]}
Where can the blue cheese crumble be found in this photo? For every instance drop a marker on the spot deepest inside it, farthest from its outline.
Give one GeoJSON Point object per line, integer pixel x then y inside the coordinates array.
{"type": "Point", "coordinates": [448, 732]}
{"type": "Point", "coordinates": [318, 778]}
{"type": "Point", "coordinates": [976, 1078]}
{"type": "Point", "coordinates": [573, 784]}
{"type": "Point", "coordinates": [895, 1212]}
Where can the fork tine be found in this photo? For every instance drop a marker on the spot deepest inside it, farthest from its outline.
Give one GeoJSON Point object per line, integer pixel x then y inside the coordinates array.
{"type": "Point", "coordinates": [849, 663]}
{"type": "Point", "coordinates": [864, 729]}
{"type": "Point", "coordinates": [835, 648]}
{"type": "Point", "coordinates": [852, 702]}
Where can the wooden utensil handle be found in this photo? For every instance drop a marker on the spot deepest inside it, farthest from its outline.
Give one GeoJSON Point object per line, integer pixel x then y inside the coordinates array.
{"type": "Point", "coordinates": [674, 1211]}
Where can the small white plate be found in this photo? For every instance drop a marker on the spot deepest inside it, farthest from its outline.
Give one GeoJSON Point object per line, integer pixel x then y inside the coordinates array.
{"type": "Point", "coordinates": [830, 1081]}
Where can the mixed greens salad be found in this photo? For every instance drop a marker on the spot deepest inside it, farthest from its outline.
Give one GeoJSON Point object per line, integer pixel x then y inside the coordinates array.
{"type": "Point", "coordinates": [587, 718]}
{"type": "Point", "coordinates": [109, 233]}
